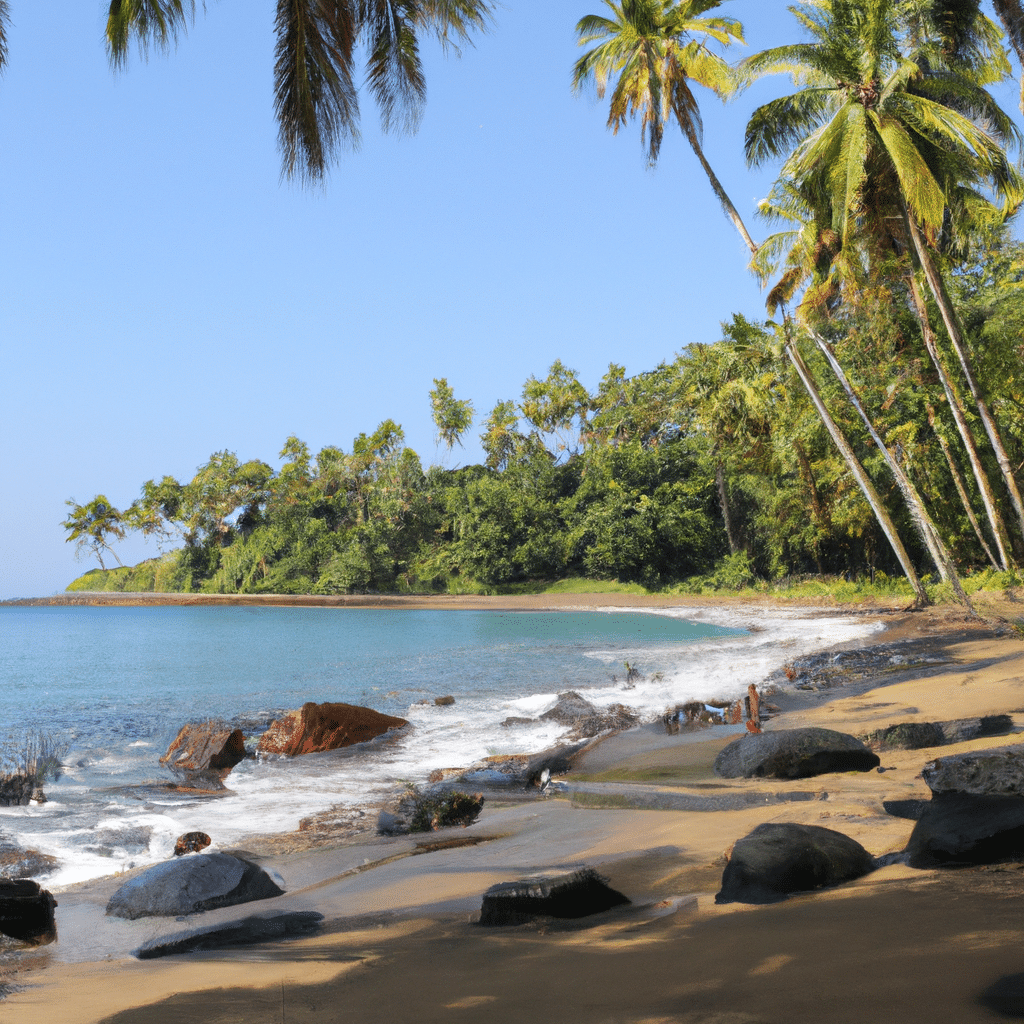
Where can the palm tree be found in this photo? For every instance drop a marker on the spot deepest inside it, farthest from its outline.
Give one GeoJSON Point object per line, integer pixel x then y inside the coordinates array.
{"type": "Point", "coordinates": [316, 98]}
{"type": "Point", "coordinates": [889, 122]}
{"type": "Point", "coordinates": [648, 48]}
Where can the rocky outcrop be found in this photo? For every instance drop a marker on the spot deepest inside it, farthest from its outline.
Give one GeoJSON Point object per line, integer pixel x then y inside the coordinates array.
{"type": "Point", "coordinates": [16, 790]}
{"type": "Point", "coordinates": [793, 754]}
{"type": "Point", "coordinates": [916, 735]}
{"type": "Point", "coordinates": [247, 932]}
{"type": "Point", "coordinates": [566, 896]}
{"type": "Point", "coordinates": [18, 862]}
{"type": "Point", "coordinates": [777, 859]}
{"type": "Point", "coordinates": [188, 885]}
{"type": "Point", "coordinates": [26, 912]}
{"type": "Point", "coordinates": [318, 727]}
{"type": "Point", "coordinates": [585, 719]}
{"type": "Point", "coordinates": [428, 811]}
{"type": "Point", "coordinates": [205, 746]}
{"type": "Point", "coordinates": [191, 842]}
{"type": "Point", "coordinates": [976, 813]}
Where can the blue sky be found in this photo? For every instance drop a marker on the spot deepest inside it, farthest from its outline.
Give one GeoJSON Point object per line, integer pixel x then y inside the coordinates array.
{"type": "Point", "coordinates": [163, 295]}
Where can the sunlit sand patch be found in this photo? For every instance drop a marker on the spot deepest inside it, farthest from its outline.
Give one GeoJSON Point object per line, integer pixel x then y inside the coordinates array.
{"type": "Point", "coordinates": [772, 964]}
{"type": "Point", "coordinates": [468, 1002]}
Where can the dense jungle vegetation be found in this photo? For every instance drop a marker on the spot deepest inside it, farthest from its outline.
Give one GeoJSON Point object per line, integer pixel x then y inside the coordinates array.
{"type": "Point", "coordinates": [873, 426]}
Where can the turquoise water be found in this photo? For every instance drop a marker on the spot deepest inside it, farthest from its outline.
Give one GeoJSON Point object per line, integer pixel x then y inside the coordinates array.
{"type": "Point", "coordinates": [120, 682]}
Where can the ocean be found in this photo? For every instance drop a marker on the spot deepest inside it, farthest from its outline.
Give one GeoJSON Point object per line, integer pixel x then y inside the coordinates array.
{"type": "Point", "coordinates": [119, 682]}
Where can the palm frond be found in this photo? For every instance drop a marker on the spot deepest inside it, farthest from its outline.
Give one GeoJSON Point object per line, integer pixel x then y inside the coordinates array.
{"type": "Point", "coordinates": [147, 23]}
{"type": "Point", "coordinates": [5, 20]}
{"type": "Point", "coordinates": [775, 127]}
{"type": "Point", "coordinates": [394, 72]}
{"type": "Point", "coordinates": [315, 97]}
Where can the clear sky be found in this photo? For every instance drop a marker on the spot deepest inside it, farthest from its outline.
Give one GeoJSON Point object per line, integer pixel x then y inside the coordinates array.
{"type": "Point", "coordinates": [163, 295]}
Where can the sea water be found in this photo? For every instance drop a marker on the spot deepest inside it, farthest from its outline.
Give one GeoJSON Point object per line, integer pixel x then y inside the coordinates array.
{"type": "Point", "coordinates": [119, 682]}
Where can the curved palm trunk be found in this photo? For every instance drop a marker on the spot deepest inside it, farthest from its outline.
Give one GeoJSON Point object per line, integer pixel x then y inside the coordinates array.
{"type": "Point", "coordinates": [922, 521]}
{"type": "Point", "coordinates": [954, 471]}
{"type": "Point", "coordinates": [938, 289]}
{"type": "Point", "coordinates": [859, 473]}
{"type": "Point", "coordinates": [995, 519]}
{"type": "Point", "coordinates": [723, 197]}
{"type": "Point", "coordinates": [723, 499]}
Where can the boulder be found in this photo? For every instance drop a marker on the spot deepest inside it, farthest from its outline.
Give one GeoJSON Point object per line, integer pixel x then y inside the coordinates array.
{"type": "Point", "coordinates": [777, 859]}
{"type": "Point", "coordinates": [575, 895]}
{"type": "Point", "coordinates": [318, 727]}
{"type": "Point", "coordinates": [585, 719]}
{"type": "Point", "coordinates": [191, 842]}
{"type": "Point", "coordinates": [188, 885]}
{"type": "Point", "coordinates": [26, 912]}
{"type": "Point", "coordinates": [204, 746]}
{"type": "Point", "coordinates": [915, 735]}
{"type": "Point", "coordinates": [793, 754]}
{"type": "Point", "coordinates": [976, 813]}
{"type": "Point", "coordinates": [247, 932]}
{"type": "Point", "coordinates": [428, 811]}
{"type": "Point", "coordinates": [443, 702]}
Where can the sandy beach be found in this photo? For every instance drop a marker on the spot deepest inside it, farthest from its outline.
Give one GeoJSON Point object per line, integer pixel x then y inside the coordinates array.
{"type": "Point", "coordinates": [399, 940]}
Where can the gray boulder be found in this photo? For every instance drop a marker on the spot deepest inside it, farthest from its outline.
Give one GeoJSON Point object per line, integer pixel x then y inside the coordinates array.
{"type": "Point", "coordinates": [793, 754]}
{"type": "Point", "coordinates": [188, 885]}
{"type": "Point", "coordinates": [976, 813]}
{"type": "Point", "coordinates": [777, 859]}
{"type": "Point", "coordinates": [575, 895]}
{"type": "Point", "coordinates": [915, 735]}
{"type": "Point", "coordinates": [247, 932]}
{"type": "Point", "coordinates": [585, 719]}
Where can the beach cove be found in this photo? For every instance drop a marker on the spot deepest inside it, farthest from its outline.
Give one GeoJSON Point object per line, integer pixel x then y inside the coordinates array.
{"type": "Point", "coordinates": [398, 939]}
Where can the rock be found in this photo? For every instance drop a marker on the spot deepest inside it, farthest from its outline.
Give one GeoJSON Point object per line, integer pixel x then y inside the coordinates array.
{"type": "Point", "coordinates": [191, 842]}
{"type": "Point", "coordinates": [188, 885]}
{"type": "Point", "coordinates": [777, 859]}
{"type": "Point", "coordinates": [793, 754]}
{"type": "Point", "coordinates": [443, 702]}
{"type": "Point", "coordinates": [247, 932]}
{"type": "Point", "coordinates": [967, 828]}
{"type": "Point", "coordinates": [204, 746]}
{"type": "Point", "coordinates": [910, 809]}
{"type": "Point", "coordinates": [1005, 996]}
{"type": "Point", "coordinates": [555, 760]}
{"type": "Point", "coordinates": [998, 771]}
{"type": "Point", "coordinates": [26, 912]}
{"type": "Point", "coordinates": [126, 839]}
{"type": "Point", "coordinates": [318, 727]}
{"type": "Point", "coordinates": [513, 721]}
{"type": "Point", "coordinates": [17, 862]}
{"type": "Point", "coordinates": [916, 735]}
{"type": "Point", "coordinates": [566, 896]}
{"type": "Point", "coordinates": [419, 811]}
{"type": "Point", "coordinates": [585, 720]}
{"type": "Point", "coordinates": [16, 790]}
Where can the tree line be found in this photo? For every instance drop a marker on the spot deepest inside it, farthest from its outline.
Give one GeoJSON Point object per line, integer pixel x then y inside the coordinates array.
{"type": "Point", "coordinates": [891, 282]}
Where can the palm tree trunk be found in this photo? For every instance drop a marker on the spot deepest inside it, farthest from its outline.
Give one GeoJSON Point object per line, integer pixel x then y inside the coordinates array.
{"type": "Point", "coordinates": [918, 513]}
{"type": "Point", "coordinates": [954, 471]}
{"type": "Point", "coordinates": [938, 289]}
{"type": "Point", "coordinates": [860, 475]}
{"type": "Point", "coordinates": [995, 519]}
{"type": "Point", "coordinates": [723, 197]}
{"type": "Point", "coordinates": [723, 500]}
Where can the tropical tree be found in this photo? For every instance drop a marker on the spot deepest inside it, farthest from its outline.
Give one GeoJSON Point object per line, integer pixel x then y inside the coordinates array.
{"type": "Point", "coordinates": [892, 126]}
{"type": "Point", "coordinates": [91, 525]}
{"type": "Point", "coordinates": [653, 50]}
{"type": "Point", "coordinates": [452, 416]}
{"type": "Point", "coordinates": [316, 96]}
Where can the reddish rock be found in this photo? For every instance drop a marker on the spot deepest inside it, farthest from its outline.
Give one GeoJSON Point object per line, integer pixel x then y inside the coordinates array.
{"type": "Point", "coordinates": [200, 746]}
{"type": "Point", "coordinates": [191, 842]}
{"type": "Point", "coordinates": [317, 727]}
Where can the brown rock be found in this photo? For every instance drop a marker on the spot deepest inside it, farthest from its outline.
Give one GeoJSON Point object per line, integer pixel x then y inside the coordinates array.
{"type": "Point", "coordinates": [443, 702]}
{"type": "Point", "coordinates": [318, 727]}
{"type": "Point", "coordinates": [201, 746]}
{"type": "Point", "coordinates": [191, 842]}
{"type": "Point", "coordinates": [26, 912]}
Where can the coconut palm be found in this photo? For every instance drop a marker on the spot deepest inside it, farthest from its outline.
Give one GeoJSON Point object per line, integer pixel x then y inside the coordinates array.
{"type": "Point", "coordinates": [890, 124]}
{"type": "Point", "coordinates": [316, 97]}
{"type": "Point", "coordinates": [653, 51]}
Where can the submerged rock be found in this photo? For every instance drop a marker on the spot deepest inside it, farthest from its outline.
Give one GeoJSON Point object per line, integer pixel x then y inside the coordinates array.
{"type": "Point", "coordinates": [191, 842]}
{"type": "Point", "coordinates": [18, 862]}
{"type": "Point", "coordinates": [566, 896]}
{"type": "Point", "coordinates": [777, 859]}
{"type": "Point", "coordinates": [188, 885]}
{"type": "Point", "coordinates": [793, 754]}
{"type": "Point", "coordinates": [585, 719]}
{"type": "Point", "coordinates": [319, 727]}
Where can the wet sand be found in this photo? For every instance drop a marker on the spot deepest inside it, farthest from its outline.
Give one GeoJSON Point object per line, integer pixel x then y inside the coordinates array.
{"type": "Point", "coordinates": [399, 940]}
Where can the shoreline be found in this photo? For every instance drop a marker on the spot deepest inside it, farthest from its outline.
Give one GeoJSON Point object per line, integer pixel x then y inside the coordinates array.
{"type": "Point", "coordinates": [390, 906]}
